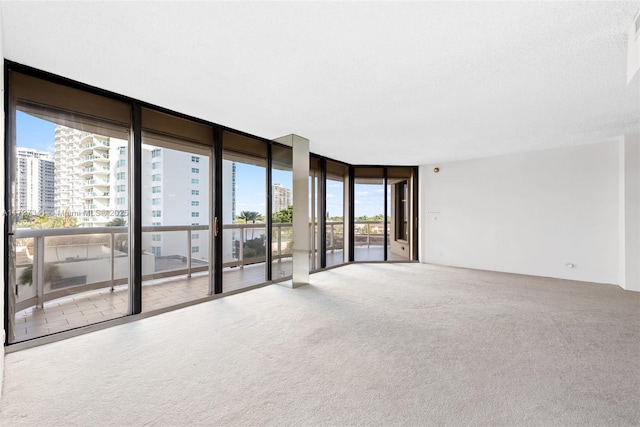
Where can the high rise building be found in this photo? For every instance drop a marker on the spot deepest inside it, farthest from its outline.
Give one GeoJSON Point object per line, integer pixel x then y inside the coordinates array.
{"type": "Point", "coordinates": [281, 198]}
{"type": "Point", "coordinates": [35, 176]}
{"type": "Point", "coordinates": [92, 179]}
{"type": "Point", "coordinates": [90, 169]}
{"type": "Point", "coordinates": [177, 194]}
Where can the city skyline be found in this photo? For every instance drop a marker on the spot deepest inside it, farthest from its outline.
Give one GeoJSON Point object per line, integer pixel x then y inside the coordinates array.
{"type": "Point", "coordinates": [35, 133]}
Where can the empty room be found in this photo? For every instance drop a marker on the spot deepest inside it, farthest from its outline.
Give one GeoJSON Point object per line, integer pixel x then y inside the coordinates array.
{"type": "Point", "coordinates": [320, 213]}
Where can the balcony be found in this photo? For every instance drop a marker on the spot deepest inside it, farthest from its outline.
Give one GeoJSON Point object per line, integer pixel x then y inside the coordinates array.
{"type": "Point", "coordinates": [102, 170]}
{"type": "Point", "coordinates": [95, 157]}
{"type": "Point", "coordinates": [96, 182]}
{"type": "Point", "coordinates": [91, 268]}
{"type": "Point", "coordinates": [91, 194]}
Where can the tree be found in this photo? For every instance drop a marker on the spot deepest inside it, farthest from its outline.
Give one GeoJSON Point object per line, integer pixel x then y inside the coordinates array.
{"type": "Point", "coordinates": [120, 242]}
{"type": "Point", "coordinates": [285, 215]}
{"type": "Point", "coordinates": [254, 248]}
{"type": "Point", "coordinates": [250, 216]}
{"type": "Point", "coordinates": [116, 222]}
{"type": "Point", "coordinates": [51, 274]}
{"type": "Point", "coordinates": [45, 221]}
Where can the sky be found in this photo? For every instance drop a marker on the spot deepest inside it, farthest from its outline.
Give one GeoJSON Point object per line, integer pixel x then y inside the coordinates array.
{"type": "Point", "coordinates": [32, 132]}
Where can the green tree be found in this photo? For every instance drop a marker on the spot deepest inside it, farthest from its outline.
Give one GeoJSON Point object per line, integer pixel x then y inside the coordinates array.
{"type": "Point", "coordinates": [250, 216]}
{"type": "Point", "coordinates": [51, 274]}
{"type": "Point", "coordinates": [116, 222]}
{"type": "Point", "coordinates": [285, 215]}
{"type": "Point", "coordinates": [120, 241]}
{"type": "Point", "coordinates": [254, 248]}
{"type": "Point", "coordinates": [45, 221]}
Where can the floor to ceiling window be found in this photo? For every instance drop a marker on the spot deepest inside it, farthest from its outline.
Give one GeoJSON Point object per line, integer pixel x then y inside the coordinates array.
{"type": "Point", "coordinates": [369, 214]}
{"type": "Point", "coordinates": [336, 185]}
{"type": "Point", "coordinates": [244, 191]}
{"type": "Point", "coordinates": [116, 207]}
{"type": "Point", "coordinates": [315, 202]}
{"type": "Point", "coordinates": [177, 190]}
{"type": "Point", "coordinates": [68, 179]}
{"type": "Point", "coordinates": [282, 211]}
{"type": "Point", "coordinates": [400, 221]}
{"type": "Point", "coordinates": [385, 214]}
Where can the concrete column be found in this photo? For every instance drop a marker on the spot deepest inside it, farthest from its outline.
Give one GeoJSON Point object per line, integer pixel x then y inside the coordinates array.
{"type": "Point", "coordinates": [300, 208]}
{"type": "Point", "coordinates": [629, 229]}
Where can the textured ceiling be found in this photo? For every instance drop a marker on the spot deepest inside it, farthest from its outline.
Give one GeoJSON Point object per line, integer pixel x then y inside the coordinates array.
{"type": "Point", "coordinates": [367, 83]}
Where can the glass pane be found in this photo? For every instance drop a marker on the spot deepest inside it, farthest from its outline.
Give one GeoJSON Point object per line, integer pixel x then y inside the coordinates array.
{"type": "Point", "coordinates": [369, 226]}
{"type": "Point", "coordinates": [282, 216]}
{"type": "Point", "coordinates": [314, 213]}
{"type": "Point", "coordinates": [176, 237]}
{"type": "Point", "coordinates": [390, 215]}
{"type": "Point", "coordinates": [70, 256]}
{"type": "Point", "coordinates": [336, 178]}
{"type": "Point", "coordinates": [399, 225]}
{"type": "Point", "coordinates": [244, 181]}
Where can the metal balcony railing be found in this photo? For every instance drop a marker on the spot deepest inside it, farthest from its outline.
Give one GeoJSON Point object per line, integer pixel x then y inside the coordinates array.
{"type": "Point", "coordinates": [99, 255]}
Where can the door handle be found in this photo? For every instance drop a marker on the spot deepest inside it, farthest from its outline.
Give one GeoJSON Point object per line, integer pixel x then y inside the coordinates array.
{"type": "Point", "coordinates": [215, 227]}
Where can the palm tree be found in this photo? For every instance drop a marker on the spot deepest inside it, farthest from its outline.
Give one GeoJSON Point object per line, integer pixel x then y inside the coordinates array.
{"type": "Point", "coordinates": [249, 216]}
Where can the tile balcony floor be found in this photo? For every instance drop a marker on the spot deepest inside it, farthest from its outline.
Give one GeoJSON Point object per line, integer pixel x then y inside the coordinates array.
{"type": "Point", "coordinates": [104, 304]}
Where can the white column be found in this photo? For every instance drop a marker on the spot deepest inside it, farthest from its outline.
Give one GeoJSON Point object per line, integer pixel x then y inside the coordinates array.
{"type": "Point", "coordinates": [300, 209]}
{"type": "Point", "coordinates": [629, 228]}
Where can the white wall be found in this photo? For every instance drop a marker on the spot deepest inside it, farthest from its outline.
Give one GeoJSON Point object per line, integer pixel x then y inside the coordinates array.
{"type": "Point", "coordinates": [530, 213]}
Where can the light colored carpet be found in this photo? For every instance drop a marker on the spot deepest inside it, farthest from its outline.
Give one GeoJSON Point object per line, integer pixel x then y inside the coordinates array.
{"type": "Point", "coordinates": [376, 344]}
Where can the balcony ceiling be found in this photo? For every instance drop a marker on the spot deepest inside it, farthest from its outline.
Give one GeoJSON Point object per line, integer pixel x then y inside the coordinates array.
{"type": "Point", "coordinates": [367, 83]}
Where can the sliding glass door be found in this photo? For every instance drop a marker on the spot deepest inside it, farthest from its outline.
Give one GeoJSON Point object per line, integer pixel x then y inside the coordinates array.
{"type": "Point", "coordinates": [315, 204]}
{"type": "Point", "coordinates": [68, 177]}
{"type": "Point", "coordinates": [244, 217]}
{"type": "Point", "coordinates": [369, 214]}
{"type": "Point", "coordinates": [385, 214]}
{"type": "Point", "coordinates": [177, 211]}
{"type": "Point", "coordinates": [282, 212]}
{"type": "Point", "coordinates": [401, 218]}
{"type": "Point", "coordinates": [336, 185]}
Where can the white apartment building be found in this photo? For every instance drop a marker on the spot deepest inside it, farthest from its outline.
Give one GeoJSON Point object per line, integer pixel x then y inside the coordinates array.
{"type": "Point", "coordinates": [89, 170]}
{"type": "Point", "coordinates": [67, 146]}
{"type": "Point", "coordinates": [281, 197]}
{"type": "Point", "coordinates": [176, 193]}
{"type": "Point", "coordinates": [34, 180]}
{"type": "Point", "coordinates": [92, 184]}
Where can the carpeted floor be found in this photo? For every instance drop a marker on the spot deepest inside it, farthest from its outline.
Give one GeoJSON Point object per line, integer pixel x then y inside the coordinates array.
{"type": "Point", "coordinates": [394, 344]}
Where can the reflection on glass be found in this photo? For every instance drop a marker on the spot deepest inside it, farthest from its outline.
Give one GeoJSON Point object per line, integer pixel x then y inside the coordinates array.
{"type": "Point", "coordinates": [70, 254]}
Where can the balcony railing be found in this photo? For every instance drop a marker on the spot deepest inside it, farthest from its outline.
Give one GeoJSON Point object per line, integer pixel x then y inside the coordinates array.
{"type": "Point", "coordinates": [97, 257]}
{"type": "Point", "coordinates": [369, 233]}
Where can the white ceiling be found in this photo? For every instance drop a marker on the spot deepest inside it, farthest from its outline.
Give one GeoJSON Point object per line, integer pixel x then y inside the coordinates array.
{"type": "Point", "coordinates": [367, 83]}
